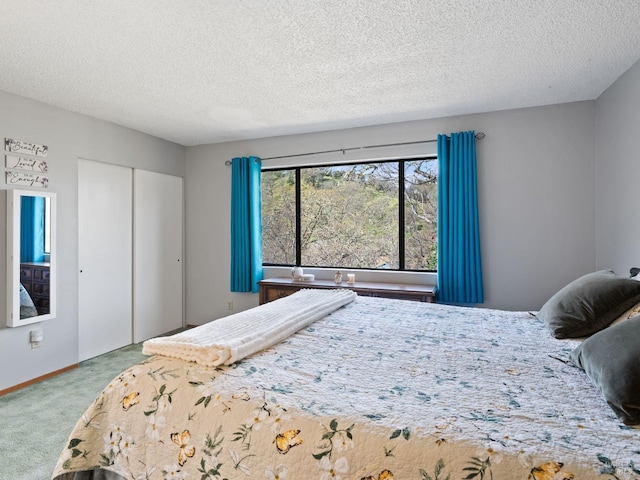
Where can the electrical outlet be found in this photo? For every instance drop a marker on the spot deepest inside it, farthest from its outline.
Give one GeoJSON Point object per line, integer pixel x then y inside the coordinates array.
{"type": "Point", "coordinates": [35, 337]}
{"type": "Point", "coordinates": [230, 306]}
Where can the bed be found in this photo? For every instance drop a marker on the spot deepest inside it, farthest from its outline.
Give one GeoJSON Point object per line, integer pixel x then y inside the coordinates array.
{"type": "Point", "coordinates": [378, 389]}
{"type": "Point", "coordinates": [27, 307]}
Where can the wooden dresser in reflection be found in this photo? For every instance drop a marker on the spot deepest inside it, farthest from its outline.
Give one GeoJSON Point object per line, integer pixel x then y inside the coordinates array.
{"type": "Point", "coordinates": [35, 278]}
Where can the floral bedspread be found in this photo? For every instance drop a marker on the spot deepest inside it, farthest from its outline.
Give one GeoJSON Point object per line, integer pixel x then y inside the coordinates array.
{"type": "Point", "coordinates": [380, 389]}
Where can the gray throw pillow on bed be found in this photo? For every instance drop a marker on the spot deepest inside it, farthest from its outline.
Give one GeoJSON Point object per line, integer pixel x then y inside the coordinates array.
{"type": "Point", "coordinates": [589, 304]}
{"type": "Point", "coordinates": [611, 359]}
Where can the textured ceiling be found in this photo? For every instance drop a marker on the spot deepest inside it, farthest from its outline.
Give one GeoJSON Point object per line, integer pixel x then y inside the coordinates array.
{"type": "Point", "coordinates": [207, 71]}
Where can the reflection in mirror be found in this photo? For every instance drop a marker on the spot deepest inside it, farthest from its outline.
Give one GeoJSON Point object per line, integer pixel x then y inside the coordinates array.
{"type": "Point", "coordinates": [31, 253]}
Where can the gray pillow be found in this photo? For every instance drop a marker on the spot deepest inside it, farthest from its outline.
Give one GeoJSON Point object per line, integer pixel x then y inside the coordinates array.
{"type": "Point", "coordinates": [611, 359]}
{"type": "Point", "coordinates": [589, 304]}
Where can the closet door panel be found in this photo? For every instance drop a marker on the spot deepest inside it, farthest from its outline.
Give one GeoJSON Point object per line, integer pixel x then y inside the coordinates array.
{"type": "Point", "coordinates": [105, 257]}
{"type": "Point", "coordinates": [158, 245]}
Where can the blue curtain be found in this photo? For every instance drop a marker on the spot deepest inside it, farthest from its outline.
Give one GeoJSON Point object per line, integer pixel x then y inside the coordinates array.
{"type": "Point", "coordinates": [32, 215]}
{"type": "Point", "coordinates": [459, 264]}
{"type": "Point", "coordinates": [246, 224]}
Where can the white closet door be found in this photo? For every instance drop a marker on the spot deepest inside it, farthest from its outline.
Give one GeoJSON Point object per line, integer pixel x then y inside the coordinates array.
{"type": "Point", "coordinates": [158, 227]}
{"type": "Point", "coordinates": [105, 257]}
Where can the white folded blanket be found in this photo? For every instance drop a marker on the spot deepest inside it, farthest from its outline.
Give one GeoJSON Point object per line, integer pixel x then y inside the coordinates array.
{"type": "Point", "coordinates": [232, 338]}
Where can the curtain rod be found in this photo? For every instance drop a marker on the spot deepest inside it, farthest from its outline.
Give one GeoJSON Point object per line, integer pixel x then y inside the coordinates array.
{"type": "Point", "coordinates": [479, 136]}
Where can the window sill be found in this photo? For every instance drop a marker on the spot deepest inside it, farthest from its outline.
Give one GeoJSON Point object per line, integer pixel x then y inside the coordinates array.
{"type": "Point", "coordinates": [425, 278]}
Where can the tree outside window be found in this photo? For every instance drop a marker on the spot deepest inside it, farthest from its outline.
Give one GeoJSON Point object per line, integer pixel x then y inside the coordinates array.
{"type": "Point", "coordinates": [374, 215]}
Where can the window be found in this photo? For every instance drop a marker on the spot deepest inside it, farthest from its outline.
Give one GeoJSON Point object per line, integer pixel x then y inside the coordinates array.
{"type": "Point", "coordinates": [372, 215]}
{"type": "Point", "coordinates": [47, 225]}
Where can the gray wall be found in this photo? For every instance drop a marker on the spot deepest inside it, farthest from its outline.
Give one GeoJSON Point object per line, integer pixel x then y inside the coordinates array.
{"type": "Point", "coordinates": [69, 136]}
{"type": "Point", "coordinates": [618, 174]}
{"type": "Point", "coordinates": [536, 176]}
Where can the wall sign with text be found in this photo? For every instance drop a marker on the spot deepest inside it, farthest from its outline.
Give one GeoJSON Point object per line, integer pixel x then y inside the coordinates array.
{"type": "Point", "coordinates": [32, 169]}
{"type": "Point", "coordinates": [18, 146]}
{"type": "Point", "coordinates": [23, 179]}
{"type": "Point", "coordinates": [25, 163]}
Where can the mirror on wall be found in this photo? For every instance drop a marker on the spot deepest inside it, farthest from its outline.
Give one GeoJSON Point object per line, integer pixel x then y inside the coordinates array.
{"type": "Point", "coordinates": [31, 257]}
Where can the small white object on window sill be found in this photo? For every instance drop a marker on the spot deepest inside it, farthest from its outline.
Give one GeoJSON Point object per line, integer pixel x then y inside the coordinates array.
{"type": "Point", "coordinates": [297, 273]}
{"type": "Point", "coordinates": [307, 277]}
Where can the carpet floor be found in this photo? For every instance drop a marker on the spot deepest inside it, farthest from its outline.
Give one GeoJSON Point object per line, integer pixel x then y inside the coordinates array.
{"type": "Point", "coordinates": [35, 422]}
